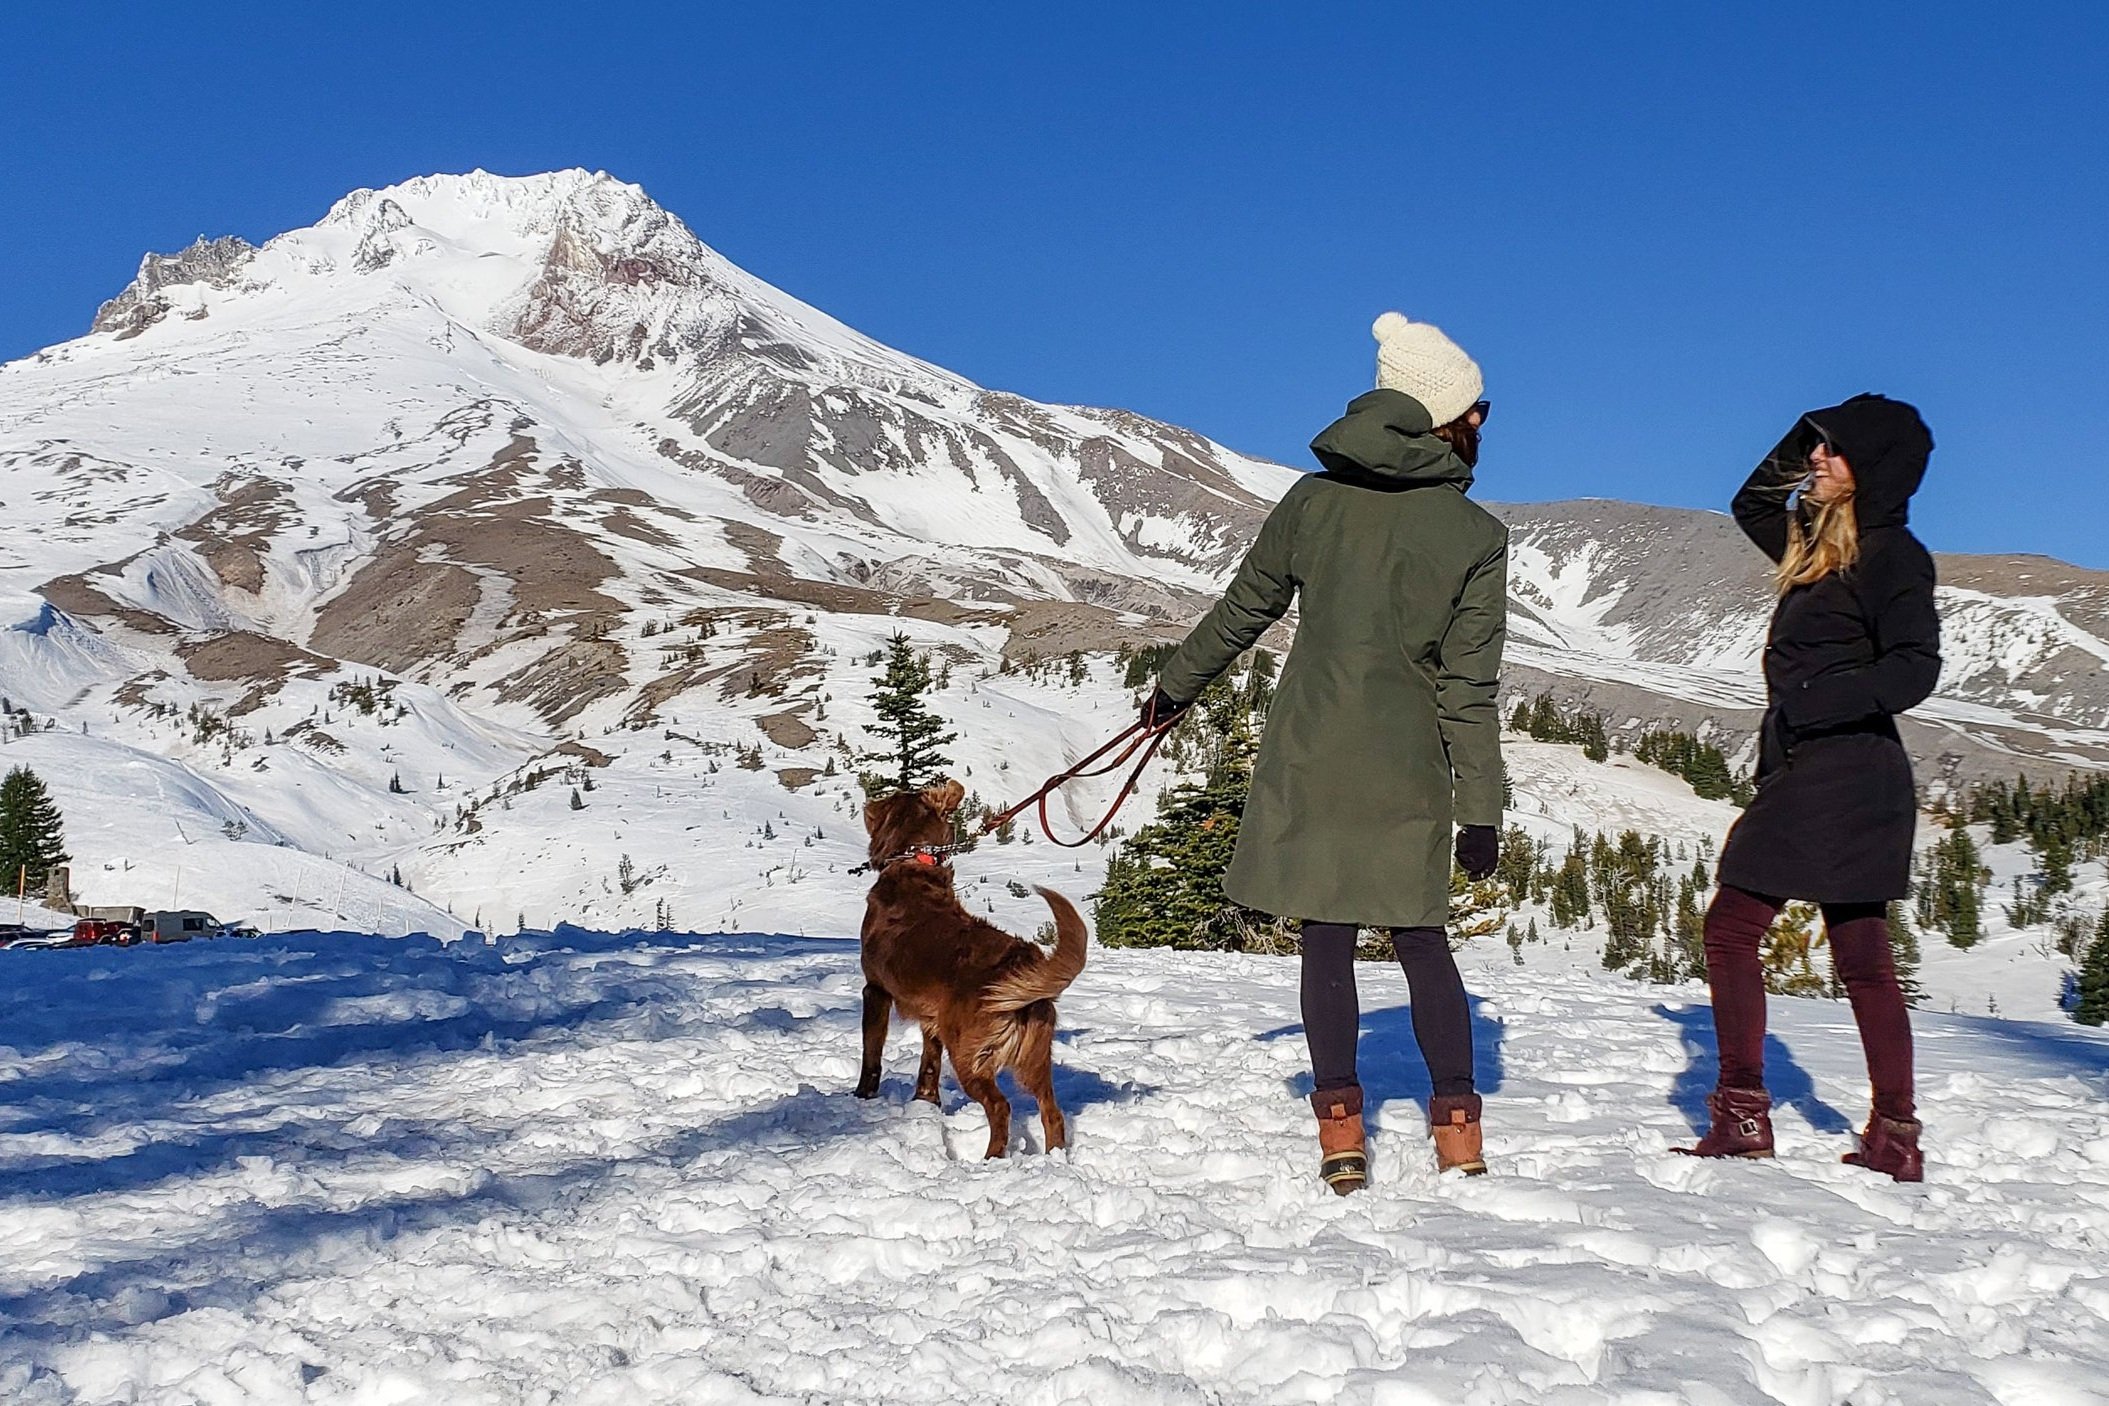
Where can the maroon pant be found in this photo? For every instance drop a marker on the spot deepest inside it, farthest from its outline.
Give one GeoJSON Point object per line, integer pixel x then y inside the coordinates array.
{"type": "Point", "coordinates": [1859, 936]}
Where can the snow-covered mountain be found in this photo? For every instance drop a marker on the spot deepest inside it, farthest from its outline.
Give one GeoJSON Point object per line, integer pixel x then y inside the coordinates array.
{"type": "Point", "coordinates": [1659, 614]}
{"type": "Point", "coordinates": [498, 534]}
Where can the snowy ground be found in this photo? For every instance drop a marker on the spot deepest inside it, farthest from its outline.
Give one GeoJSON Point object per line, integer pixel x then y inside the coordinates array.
{"type": "Point", "coordinates": [627, 1169]}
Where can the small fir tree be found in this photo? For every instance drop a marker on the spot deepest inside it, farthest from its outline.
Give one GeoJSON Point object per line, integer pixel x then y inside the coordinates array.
{"type": "Point", "coordinates": [1164, 884]}
{"type": "Point", "coordinates": [2093, 1007]}
{"type": "Point", "coordinates": [911, 758]}
{"type": "Point", "coordinates": [1904, 950]}
{"type": "Point", "coordinates": [32, 834]}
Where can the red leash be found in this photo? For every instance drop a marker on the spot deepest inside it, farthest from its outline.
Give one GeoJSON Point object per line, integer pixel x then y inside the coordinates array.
{"type": "Point", "coordinates": [1138, 738]}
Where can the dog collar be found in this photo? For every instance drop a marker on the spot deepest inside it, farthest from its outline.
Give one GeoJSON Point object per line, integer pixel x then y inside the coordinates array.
{"type": "Point", "coordinates": [928, 855]}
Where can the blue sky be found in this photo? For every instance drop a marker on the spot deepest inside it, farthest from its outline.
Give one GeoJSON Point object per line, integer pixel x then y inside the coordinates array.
{"type": "Point", "coordinates": [1663, 229]}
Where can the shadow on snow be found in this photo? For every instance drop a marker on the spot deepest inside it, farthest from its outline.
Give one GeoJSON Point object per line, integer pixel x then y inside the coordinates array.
{"type": "Point", "coordinates": [162, 1038]}
{"type": "Point", "coordinates": [1388, 1058]}
{"type": "Point", "coordinates": [1789, 1083]}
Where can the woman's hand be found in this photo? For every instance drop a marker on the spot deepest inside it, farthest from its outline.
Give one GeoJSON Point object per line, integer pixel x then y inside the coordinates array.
{"type": "Point", "coordinates": [1478, 851]}
{"type": "Point", "coordinates": [1160, 711]}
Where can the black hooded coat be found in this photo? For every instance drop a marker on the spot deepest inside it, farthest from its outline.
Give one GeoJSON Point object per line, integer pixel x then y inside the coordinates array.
{"type": "Point", "coordinates": [1836, 808]}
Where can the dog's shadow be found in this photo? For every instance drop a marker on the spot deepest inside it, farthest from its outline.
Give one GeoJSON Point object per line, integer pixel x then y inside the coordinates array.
{"type": "Point", "coordinates": [1388, 1059]}
{"type": "Point", "coordinates": [812, 1117]}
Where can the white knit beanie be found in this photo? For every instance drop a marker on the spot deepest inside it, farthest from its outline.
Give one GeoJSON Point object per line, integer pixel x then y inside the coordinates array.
{"type": "Point", "coordinates": [1416, 358]}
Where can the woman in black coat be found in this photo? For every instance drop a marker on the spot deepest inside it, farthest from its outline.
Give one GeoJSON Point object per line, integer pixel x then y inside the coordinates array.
{"type": "Point", "coordinates": [1855, 641]}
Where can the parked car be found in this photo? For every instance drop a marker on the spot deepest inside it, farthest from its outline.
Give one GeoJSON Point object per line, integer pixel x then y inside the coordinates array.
{"type": "Point", "coordinates": [108, 931]}
{"type": "Point", "coordinates": [40, 940]}
{"type": "Point", "coordinates": [239, 930]}
{"type": "Point", "coordinates": [179, 925]}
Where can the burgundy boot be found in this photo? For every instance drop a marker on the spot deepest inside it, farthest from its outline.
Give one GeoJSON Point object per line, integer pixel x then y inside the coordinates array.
{"type": "Point", "coordinates": [1453, 1121]}
{"type": "Point", "coordinates": [1342, 1148]}
{"type": "Point", "coordinates": [1742, 1125]}
{"type": "Point", "coordinates": [1891, 1145]}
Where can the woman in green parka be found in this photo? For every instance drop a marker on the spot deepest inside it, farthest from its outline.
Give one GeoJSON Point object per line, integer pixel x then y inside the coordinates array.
{"type": "Point", "coordinates": [1384, 730]}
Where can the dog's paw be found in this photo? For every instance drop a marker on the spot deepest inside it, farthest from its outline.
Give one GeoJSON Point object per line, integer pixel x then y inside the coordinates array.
{"type": "Point", "coordinates": [870, 1090]}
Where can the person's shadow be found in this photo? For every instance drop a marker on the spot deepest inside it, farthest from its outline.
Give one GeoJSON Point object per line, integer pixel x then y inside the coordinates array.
{"type": "Point", "coordinates": [1788, 1082]}
{"type": "Point", "coordinates": [1388, 1059]}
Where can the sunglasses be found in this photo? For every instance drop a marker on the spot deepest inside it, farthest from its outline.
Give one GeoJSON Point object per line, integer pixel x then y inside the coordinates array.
{"type": "Point", "coordinates": [1481, 408]}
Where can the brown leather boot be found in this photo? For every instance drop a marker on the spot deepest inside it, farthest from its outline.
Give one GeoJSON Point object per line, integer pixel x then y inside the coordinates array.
{"type": "Point", "coordinates": [1742, 1125]}
{"type": "Point", "coordinates": [1453, 1120]}
{"type": "Point", "coordinates": [1891, 1145]}
{"type": "Point", "coordinates": [1342, 1147]}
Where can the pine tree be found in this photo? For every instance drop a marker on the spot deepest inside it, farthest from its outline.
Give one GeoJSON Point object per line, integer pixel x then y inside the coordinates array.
{"type": "Point", "coordinates": [2093, 1007]}
{"type": "Point", "coordinates": [576, 802]}
{"type": "Point", "coordinates": [32, 838]}
{"type": "Point", "coordinates": [1164, 885]}
{"type": "Point", "coordinates": [1904, 950]}
{"type": "Point", "coordinates": [1951, 899]}
{"type": "Point", "coordinates": [1788, 954]}
{"type": "Point", "coordinates": [912, 759]}
{"type": "Point", "coordinates": [395, 784]}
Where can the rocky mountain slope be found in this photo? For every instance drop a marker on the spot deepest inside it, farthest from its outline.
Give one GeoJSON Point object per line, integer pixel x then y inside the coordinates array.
{"type": "Point", "coordinates": [1658, 615]}
{"type": "Point", "coordinates": [498, 535]}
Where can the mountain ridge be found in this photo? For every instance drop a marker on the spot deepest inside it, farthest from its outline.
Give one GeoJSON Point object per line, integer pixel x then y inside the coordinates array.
{"type": "Point", "coordinates": [486, 478]}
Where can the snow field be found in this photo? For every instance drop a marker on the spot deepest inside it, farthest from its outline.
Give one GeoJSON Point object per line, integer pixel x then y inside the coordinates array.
{"type": "Point", "coordinates": [628, 1169]}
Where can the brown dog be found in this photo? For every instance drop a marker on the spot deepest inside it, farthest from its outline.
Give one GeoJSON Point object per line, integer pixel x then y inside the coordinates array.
{"type": "Point", "coordinates": [982, 996]}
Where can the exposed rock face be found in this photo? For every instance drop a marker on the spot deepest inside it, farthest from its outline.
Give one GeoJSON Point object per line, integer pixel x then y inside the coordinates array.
{"type": "Point", "coordinates": [215, 263]}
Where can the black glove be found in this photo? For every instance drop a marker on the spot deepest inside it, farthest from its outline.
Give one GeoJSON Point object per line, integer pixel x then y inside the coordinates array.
{"type": "Point", "coordinates": [1159, 710]}
{"type": "Point", "coordinates": [1478, 850]}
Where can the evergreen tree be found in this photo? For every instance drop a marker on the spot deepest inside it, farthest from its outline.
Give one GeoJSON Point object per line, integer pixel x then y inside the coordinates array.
{"type": "Point", "coordinates": [32, 838]}
{"type": "Point", "coordinates": [911, 760]}
{"type": "Point", "coordinates": [1518, 862]}
{"type": "Point", "coordinates": [1570, 887]}
{"type": "Point", "coordinates": [1904, 949]}
{"type": "Point", "coordinates": [576, 802]}
{"type": "Point", "coordinates": [1951, 898]}
{"type": "Point", "coordinates": [1788, 954]}
{"type": "Point", "coordinates": [2093, 1008]}
{"type": "Point", "coordinates": [1164, 885]}
{"type": "Point", "coordinates": [1689, 929]}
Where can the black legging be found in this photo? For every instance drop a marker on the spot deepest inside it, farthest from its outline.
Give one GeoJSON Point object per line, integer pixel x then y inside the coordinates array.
{"type": "Point", "coordinates": [1332, 1016]}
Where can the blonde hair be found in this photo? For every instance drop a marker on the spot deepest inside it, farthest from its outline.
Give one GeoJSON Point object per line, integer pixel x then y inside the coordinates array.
{"type": "Point", "coordinates": [1830, 543]}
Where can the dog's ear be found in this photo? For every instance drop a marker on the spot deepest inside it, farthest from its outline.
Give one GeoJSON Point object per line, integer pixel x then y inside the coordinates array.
{"type": "Point", "coordinates": [946, 796]}
{"type": "Point", "coordinates": [873, 809]}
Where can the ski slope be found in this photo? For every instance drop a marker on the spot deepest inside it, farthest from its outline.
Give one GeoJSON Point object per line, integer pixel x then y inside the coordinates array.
{"type": "Point", "coordinates": [627, 1169]}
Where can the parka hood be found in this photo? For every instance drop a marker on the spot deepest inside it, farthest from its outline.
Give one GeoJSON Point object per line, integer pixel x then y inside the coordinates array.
{"type": "Point", "coordinates": [1386, 439]}
{"type": "Point", "coordinates": [1884, 441]}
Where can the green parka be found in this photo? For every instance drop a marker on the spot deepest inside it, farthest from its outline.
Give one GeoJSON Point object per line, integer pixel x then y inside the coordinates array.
{"type": "Point", "coordinates": [1386, 707]}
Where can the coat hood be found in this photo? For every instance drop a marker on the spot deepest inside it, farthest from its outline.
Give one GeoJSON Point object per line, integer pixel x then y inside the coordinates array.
{"type": "Point", "coordinates": [1386, 439]}
{"type": "Point", "coordinates": [1886, 443]}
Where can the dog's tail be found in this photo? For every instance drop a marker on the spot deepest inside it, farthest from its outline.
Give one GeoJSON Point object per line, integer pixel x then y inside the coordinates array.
{"type": "Point", "coordinates": [1050, 976]}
